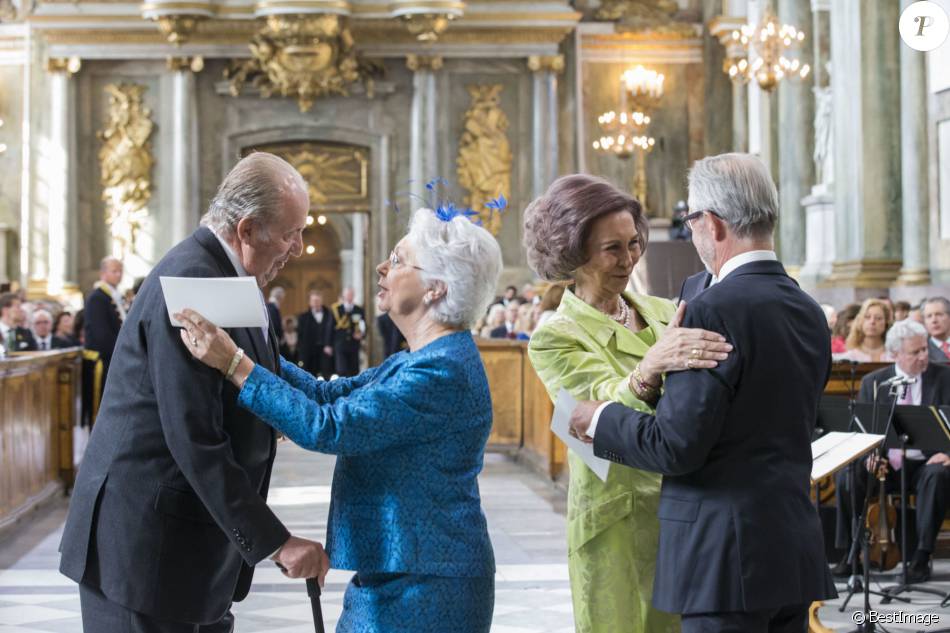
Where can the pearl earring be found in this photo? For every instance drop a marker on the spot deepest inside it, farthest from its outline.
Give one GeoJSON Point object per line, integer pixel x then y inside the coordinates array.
{"type": "Point", "coordinates": [426, 300]}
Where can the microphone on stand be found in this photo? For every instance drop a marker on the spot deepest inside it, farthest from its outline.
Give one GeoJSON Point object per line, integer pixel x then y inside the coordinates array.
{"type": "Point", "coordinates": [899, 380]}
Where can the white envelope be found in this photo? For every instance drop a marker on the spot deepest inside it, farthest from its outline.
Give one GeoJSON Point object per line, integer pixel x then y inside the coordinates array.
{"type": "Point", "coordinates": [560, 424]}
{"type": "Point", "coordinates": [225, 301]}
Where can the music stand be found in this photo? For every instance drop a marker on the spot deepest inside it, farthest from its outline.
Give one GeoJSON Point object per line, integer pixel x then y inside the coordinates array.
{"type": "Point", "coordinates": [925, 429]}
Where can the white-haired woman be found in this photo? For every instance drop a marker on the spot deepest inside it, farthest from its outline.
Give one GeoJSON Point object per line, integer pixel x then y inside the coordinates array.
{"type": "Point", "coordinates": [405, 512]}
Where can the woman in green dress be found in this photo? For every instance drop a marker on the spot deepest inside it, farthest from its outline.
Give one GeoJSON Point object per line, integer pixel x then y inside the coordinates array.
{"type": "Point", "coordinates": [607, 344]}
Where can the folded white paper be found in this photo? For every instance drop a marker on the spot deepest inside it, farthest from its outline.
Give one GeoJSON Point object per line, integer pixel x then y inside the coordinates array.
{"type": "Point", "coordinates": [225, 301]}
{"type": "Point", "coordinates": [560, 425]}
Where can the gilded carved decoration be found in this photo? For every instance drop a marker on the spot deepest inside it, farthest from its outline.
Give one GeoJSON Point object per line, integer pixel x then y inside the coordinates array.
{"type": "Point", "coordinates": [484, 159]}
{"type": "Point", "coordinates": [336, 175]}
{"type": "Point", "coordinates": [126, 162]}
{"type": "Point", "coordinates": [304, 57]}
{"type": "Point", "coordinates": [649, 16]}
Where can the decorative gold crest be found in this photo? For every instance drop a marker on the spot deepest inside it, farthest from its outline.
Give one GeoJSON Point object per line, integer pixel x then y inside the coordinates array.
{"type": "Point", "coordinates": [645, 16]}
{"type": "Point", "coordinates": [126, 165]}
{"type": "Point", "coordinates": [304, 57]}
{"type": "Point", "coordinates": [484, 159]}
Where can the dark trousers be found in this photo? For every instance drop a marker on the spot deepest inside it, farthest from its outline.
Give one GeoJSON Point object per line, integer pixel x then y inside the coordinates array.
{"type": "Point", "coordinates": [347, 361]}
{"type": "Point", "coordinates": [101, 615]}
{"type": "Point", "coordinates": [792, 619]}
{"type": "Point", "coordinates": [930, 483]}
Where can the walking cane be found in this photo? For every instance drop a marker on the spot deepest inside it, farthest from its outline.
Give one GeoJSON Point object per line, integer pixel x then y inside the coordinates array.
{"type": "Point", "coordinates": [313, 590]}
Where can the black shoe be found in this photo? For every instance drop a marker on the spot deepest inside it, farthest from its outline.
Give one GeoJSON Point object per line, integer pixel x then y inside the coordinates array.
{"type": "Point", "coordinates": [919, 570]}
{"type": "Point", "coordinates": [843, 569]}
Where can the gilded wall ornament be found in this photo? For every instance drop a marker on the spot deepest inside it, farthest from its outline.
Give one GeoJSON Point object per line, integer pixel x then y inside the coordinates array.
{"type": "Point", "coordinates": [126, 161]}
{"type": "Point", "coordinates": [484, 158]}
{"type": "Point", "coordinates": [304, 57]}
{"type": "Point", "coordinates": [648, 16]}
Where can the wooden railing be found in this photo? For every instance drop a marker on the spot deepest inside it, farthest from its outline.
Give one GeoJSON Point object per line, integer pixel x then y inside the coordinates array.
{"type": "Point", "coordinates": [521, 406]}
{"type": "Point", "coordinates": [40, 400]}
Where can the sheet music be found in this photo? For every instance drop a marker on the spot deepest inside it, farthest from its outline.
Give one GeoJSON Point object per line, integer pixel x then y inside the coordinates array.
{"type": "Point", "coordinates": [833, 451]}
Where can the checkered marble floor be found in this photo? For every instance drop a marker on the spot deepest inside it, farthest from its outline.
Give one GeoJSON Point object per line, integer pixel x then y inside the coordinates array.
{"type": "Point", "coordinates": [525, 517]}
{"type": "Point", "coordinates": [526, 522]}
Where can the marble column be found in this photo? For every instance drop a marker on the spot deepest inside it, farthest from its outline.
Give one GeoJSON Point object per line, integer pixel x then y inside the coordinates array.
{"type": "Point", "coordinates": [866, 96]}
{"type": "Point", "coordinates": [544, 145]}
{"type": "Point", "coordinates": [53, 265]}
{"type": "Point", "coordinates": [722, 27]}
{"type": "Point", "coordinates": [424, 164]}
{"type": "Point", "coordinates": [182, 173]}
{"type": "Point", "coordinates": [819, 204]}
{"type": "Point", "coordinates": [915, 219]}
{"type": "Point", "coordinates": [718, 88]}
{"type": "Point", "coordinates": [796, 139]}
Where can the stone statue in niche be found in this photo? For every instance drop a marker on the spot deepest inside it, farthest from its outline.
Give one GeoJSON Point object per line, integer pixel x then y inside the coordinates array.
{"type": "Point", "coordinates": [126, 161]}
{"type": "Point", "coordinates": [824, 135]}
{"type": "Point", "coordinates": [484, 159]}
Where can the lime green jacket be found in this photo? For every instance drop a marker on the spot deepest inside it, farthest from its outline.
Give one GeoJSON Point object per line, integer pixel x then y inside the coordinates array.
{"type": "Point", "coordinates": [613, 530]}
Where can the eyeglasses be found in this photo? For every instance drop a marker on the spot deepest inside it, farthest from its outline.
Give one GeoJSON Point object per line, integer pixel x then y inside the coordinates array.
{"type": "Point", "coordinates": [395, 262]}
{"type": "Point", "coordinates": [695, 215]}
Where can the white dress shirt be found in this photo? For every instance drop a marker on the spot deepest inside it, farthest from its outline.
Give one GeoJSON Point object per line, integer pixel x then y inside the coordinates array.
{"type": "Point", "coordinates": [731, 265]}
{"type": "Point", "coordinates": [914, 394]}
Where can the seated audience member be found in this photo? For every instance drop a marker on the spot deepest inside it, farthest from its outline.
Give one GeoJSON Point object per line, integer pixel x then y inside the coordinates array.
{"type": "Point", "coordinates": [63, 329]}
{"type": "Point", "coordinates": [916, 313]}
{"type": "Point", "coordinates": [14, 338]}
{"type": "Point", "coordinates": [928, 475]}
{"type": "Point", "coordinates": [494, 319]}
{"type": "Point", "coordinates": [42, 327]}
{"type": "Point", "coordinates": [529, 295]}
{"type": "Point", "coordinates": [865, 342]}
{"type": "Point", "coordinates": [510, 295]}
{"type": "Point", "coordinates": [936, 314]}
{"type": "Point", "coordinates": [509, 328]}
{"type": "Point", "coordinates": [288, 346]}
{"type": "Point", "coordinates": [524, 325]}
{"type": "Point", "coordinates": [550, 301]}
{"type": "Point", "coordinates": [839, 333]}
{"type": "Point", "coordinates": [901, 310]}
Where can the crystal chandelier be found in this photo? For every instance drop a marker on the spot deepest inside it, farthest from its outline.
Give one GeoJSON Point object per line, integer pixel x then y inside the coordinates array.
{"type": "Point", "coordinates": [624, 132]}
{"type": "Point", "coordinates": [768, 57]}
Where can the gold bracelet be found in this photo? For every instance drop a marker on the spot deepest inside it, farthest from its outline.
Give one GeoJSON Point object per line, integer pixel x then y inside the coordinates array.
{"type": "Point", "coordinates": [642, 389]}
{"type": "Point", "coordinates": [235, 361]}
{"type": "Point", "coordinates": [642, 381]}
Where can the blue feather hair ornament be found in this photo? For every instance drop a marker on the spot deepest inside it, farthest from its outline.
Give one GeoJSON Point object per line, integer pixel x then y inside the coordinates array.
{"type": "Point", "coordinates": [445, 209]}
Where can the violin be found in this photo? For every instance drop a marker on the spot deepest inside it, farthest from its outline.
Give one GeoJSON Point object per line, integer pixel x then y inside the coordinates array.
{"type": "Point", "coordinates": [883, 549]}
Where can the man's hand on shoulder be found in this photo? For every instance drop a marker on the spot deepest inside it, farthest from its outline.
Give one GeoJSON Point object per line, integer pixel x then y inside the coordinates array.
{"type": "Point", "coordinates": [940, 458]}
{"type": "Point", "coordinates": [302, 558]}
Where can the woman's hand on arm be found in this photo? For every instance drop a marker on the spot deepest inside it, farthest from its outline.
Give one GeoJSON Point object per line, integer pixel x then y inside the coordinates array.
{"type": "Point", "coordinates": [683, 348]}
{"type": "Point", "coordinates": [212, 346]}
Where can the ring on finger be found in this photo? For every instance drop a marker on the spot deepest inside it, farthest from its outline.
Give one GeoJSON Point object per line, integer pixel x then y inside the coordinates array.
{"type": "Point", "coordinates": [689, 363]}
{"type": "Point", "coordinates": [194, 341]}
{"type": "Point", "coordinates": [695, 353]}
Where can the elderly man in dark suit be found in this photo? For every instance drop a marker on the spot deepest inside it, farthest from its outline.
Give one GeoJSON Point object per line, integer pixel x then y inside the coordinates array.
{"type": "Point", "coordinates": [928, 475]}
{"type": "Point", "coordinates": [935, 312]}
{"type": "Point", "coordinates": [315, 337]}
{"type": "Point", "coordinates": [740, 543]}
{"type": "Point", "coordinates": [168, 514]}
{"type": "Point", "coordinates": [12, 337]}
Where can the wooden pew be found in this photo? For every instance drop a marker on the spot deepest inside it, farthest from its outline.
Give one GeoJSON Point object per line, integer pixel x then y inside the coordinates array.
{"type": "Point", "coordinates": [39, 405]}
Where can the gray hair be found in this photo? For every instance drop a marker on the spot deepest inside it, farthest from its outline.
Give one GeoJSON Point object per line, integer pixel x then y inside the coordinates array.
{"type": "Point", "coordinates": [900, 332]}
{"type": "Point", "coordinates": [40, 312]}
{"type": "Point", "coordinates": [739, 189]}
{"type": "Point", "coordinates": [256, 189]}
{"type": "Point", "coordinates": [941, 300]}
{"type": "Point", "coordinates": [108, 259]}
{"type": "Point", "coordinates": [277, 293]}
{"type": "Point", "coordinates": [464, 257]}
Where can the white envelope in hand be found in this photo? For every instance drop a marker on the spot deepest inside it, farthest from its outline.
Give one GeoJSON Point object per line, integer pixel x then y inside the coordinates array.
{"type": "Point", "coordinates": [225, 301]}
{"type": "Point", "coordinates": [560, 426]}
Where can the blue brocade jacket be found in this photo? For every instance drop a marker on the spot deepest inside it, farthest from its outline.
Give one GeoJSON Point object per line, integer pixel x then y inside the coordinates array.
{"type": "Point", "coordinates": [410, 436]}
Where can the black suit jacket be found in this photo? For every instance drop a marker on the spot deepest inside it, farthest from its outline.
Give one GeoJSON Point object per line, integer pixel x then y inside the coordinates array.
{"type": "Point", "coordinates": [101, 325]}
{"type": "Point", "coordinates": [168, 513]}
{"type": "Point", "coordinates": [61, 342]}
{"type": "Point", "coordinates": [393, 340]}
{"type": "Point", "coordinates": [312, 337]}
{"type": "Point", "coordinates": [693, 285]}
{"type": "Point", "coordinates": [23, 340]}
{"type": "Point", "coordinates": [738, 531]}
{"type": "Point", "coordinates": [276, 321]}
{"type": "Point", "coordinates": [499, 332]}
{"type": "Point", "coordinates": [935, 353]}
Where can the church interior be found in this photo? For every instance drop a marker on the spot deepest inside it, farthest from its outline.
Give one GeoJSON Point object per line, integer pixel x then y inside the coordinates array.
{"type": "Point", "coordinates": [119, 120]}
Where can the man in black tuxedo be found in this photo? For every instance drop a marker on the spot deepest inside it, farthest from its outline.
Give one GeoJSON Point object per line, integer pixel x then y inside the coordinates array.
{"type": "Point", "coordinates": [315, 337]}
{"type": "Point", "coordinates": [12, 337]}
{"type": "Point", "coordinates": [928, 475]}
{"type": "Point", "coordinates": [104, 312]}
{"type": "Point", "coordinates": [935, 312]}
{"type": "Point", "coordinates": [740, 542]}
{"type": "Point", "coordinates": [168, 514]}
{"type": "Point", "coordinates": [348, 331]}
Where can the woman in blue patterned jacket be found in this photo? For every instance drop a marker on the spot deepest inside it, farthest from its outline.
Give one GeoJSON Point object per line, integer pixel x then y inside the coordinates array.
{"type": "Point", "coordinates": [405, 512]}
